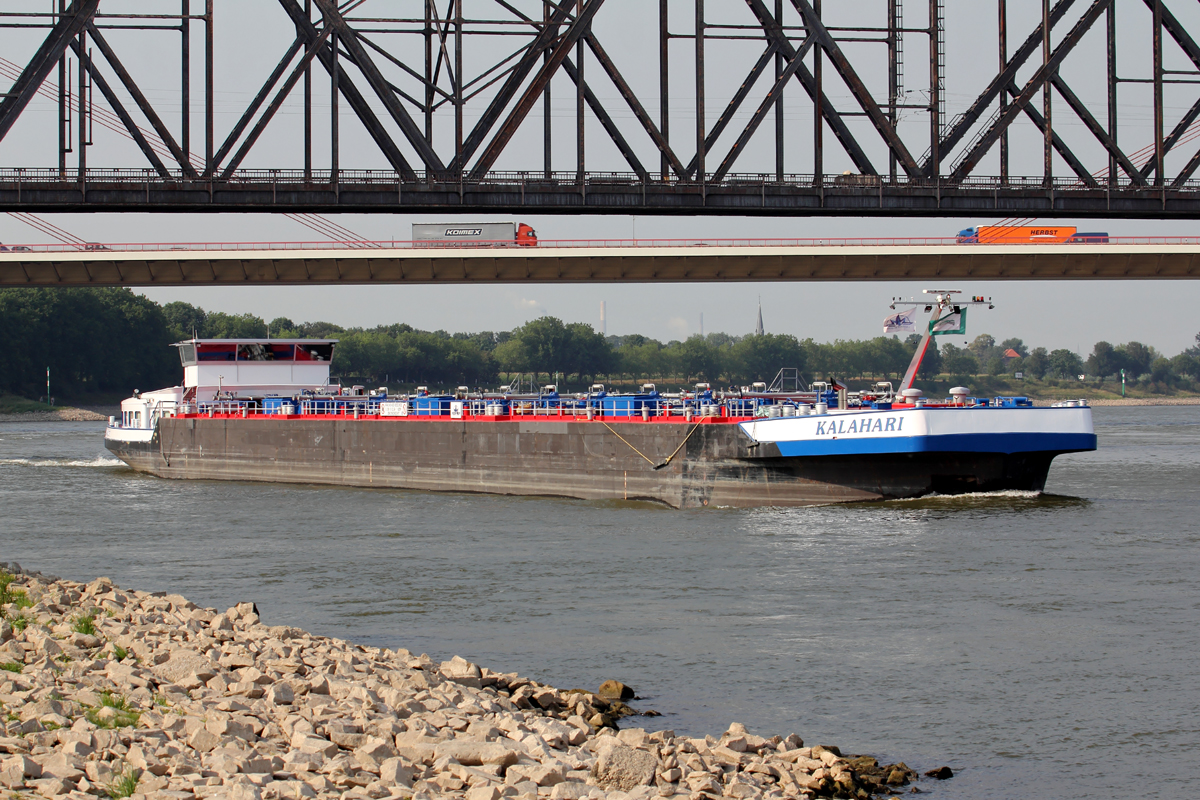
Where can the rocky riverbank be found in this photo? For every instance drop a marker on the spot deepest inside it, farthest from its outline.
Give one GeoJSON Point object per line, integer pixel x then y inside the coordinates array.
{"type": "Point", "coordinates": [120, 693]}
{"type": "Point", "coordinates": [58, 415]}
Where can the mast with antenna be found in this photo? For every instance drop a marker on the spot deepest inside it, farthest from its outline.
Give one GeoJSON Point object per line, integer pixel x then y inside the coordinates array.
{"type": "Point", "coordinates": [943, 299]}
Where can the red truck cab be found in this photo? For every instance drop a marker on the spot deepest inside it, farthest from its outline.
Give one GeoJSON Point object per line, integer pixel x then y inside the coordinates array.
{"type": "Point", "coordinates": [526, 236]}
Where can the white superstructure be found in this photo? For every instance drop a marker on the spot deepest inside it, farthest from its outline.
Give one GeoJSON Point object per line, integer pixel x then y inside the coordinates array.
{"type": "Point", "coordinates": [215, 370]}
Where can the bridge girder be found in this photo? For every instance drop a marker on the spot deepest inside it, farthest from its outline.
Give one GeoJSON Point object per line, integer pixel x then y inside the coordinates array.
{"type": "Point", "coordinates": [246, 266]}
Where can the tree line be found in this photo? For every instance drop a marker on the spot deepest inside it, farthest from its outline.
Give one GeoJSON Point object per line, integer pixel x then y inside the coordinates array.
{"type": "Point", "coordinates": [577, 354]}
{"type": "Point", "coordinates": [94, 342]}
{"type": "Point", "coordinates": [106, 342]}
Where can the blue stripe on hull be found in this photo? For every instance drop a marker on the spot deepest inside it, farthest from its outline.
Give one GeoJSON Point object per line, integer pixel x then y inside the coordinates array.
{"type": "Point", "coordinates": [949, 443]}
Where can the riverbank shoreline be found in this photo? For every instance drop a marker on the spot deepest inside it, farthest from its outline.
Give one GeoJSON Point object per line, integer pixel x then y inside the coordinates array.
{"type": "Point", "coordinates": [123, 693]}
{"type": "Point", "coordinates": [1146, 401]}
{"type": "Point", "coordinates": [59, 415]}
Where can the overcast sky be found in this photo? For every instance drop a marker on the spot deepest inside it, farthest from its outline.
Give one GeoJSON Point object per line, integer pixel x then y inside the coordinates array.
{"type": "Point", "coordinates": [1071, 315]}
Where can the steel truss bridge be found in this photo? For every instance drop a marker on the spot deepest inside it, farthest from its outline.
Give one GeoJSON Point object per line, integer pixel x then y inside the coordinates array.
{"type": "Point", "coordinates": [457, 108]}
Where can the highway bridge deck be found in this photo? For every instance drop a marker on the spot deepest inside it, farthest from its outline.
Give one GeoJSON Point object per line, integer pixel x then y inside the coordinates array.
{"type": "Point", "coordinates": [696, 262]}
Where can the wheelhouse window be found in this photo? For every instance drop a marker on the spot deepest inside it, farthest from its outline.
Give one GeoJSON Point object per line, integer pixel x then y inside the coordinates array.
{"type": "Point", "coordinates": [314, 352]}
{"type": "Point", "coordinates": [216, 352]}
{"type": "Point", "coordinates": [265, 351]}
{"type": "Point", "coordinates": [192, 353]}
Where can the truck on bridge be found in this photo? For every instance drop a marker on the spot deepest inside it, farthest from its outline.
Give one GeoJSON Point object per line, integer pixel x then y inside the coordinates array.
{"type": "Point", "coordinates": [1028, 234]}
{"type": "Point", "coordinates": [476, 234]}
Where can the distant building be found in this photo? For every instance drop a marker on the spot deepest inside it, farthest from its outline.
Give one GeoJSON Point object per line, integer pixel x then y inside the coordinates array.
{"type": "Point", "coordinates": [758, 329]}
{"type": "Point", "coordinates": [1010, 354]}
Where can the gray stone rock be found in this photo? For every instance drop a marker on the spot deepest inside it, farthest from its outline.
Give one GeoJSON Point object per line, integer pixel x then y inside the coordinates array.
{"type": "Point", "coordinates": [394, 772]}
{"type": "Point", "coordinates": [474, 754]}
{"type": "Point", "coordinates": [27, 766]}
{"type": "Point", "coordinates": [570, 790]}
{"type": "Point", "coordinates": [184, 663]}
{"type": "Point", "coordinates": [314, 744]}
{"type": "Point", "coordinates": [280, 694]}
{"type": "Point", "coordinates": [615, 690]}
{"type": "Point", "coordinates": [232, 727]}
{"type": "Point", "coordinates": [539, 774]}
{"type": "Point", "coordinates": [202, 740]}
{"type": "Point", "coordinates": [621, 767]}
{"type": "Point", "coordinates": [11, 777]}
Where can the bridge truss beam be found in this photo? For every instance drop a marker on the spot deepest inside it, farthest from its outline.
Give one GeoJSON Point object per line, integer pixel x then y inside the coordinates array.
{"type": "Point", "coordinates": [426, 69]}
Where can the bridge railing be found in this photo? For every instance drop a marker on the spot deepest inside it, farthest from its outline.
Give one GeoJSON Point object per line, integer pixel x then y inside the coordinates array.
{"type": "Point", "coordinates": [851, 182]}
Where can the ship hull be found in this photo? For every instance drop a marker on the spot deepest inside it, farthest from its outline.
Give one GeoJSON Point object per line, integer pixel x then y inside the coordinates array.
{"type": "Point", "coordinates": [717, 465]}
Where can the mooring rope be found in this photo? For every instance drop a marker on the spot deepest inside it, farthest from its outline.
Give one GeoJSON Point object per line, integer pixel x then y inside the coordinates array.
{"type": "Point", "coordinates": [643, 455]}
{"type": "Point", "coordinates": [677, 449]}
{"type": "Point", "coordinates": [623, 439]}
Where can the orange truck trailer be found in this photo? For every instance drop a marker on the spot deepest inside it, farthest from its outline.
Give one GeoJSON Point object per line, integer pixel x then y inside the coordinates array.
{"type": "Point", "coordinates": [1028, 234]}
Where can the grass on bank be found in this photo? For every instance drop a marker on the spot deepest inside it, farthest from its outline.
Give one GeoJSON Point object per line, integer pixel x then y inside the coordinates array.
{"type": "Point", "coordinates": [12, 595]}
{"type": "Point", "coordinates": [123, 786]}
{"type": "Point", "coordinates": [85, 624]}
{"type": "Point", "coordinates": [121, 716]}
{"type": "Point", "coordinates": [12, 404]}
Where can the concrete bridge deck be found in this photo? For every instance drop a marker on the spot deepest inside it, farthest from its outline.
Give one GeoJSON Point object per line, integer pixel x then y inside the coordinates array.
{"type": "Point", "coordinates": [591, 262]}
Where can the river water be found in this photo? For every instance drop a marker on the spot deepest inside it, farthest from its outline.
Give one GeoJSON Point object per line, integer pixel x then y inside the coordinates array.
{"type": "Point", "coordinates": [1042, 646]}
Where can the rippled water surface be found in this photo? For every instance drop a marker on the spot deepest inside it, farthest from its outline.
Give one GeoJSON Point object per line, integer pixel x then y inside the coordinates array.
{"type": "Point", "coordinates": [1042, 646]}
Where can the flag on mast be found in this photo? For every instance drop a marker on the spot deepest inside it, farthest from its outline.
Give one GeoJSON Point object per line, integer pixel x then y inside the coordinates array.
{"type": "Point", "coordinates": [901, 321]}
{"type": "Point", "coordinates": [953, 323]}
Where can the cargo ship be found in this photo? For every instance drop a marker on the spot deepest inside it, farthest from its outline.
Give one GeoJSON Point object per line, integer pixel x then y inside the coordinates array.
{"type": "Point", "coordinates": [267, 410]}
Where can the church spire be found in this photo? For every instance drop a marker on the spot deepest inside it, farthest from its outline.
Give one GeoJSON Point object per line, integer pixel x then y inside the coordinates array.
{"type": "Point", "coordinates": [758, 330]}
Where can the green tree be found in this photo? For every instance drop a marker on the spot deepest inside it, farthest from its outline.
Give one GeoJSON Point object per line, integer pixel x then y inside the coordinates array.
{"type": "Point", "coordinates": [1187, 363]}
{"type": "Point", "coordinates": [1064, 364]}
{"type": "Point", "coordinates": [1138, 357]}
{"type": "Point", "coordinates": [512, 357]}
{"type": "Point", "coordinates": [1016, 345]}
{"type": "Point", "coordinates": [318, 330]}
{"type": "Point", "coordinates": [282, 328]}
{"type": "Point", "coordinates": [184, 320]}
{"type": "Point", "coordinates": [545, 342]}
{"type": "Point", "coordinates": [94, 341]}
{"type": "Point", "coordinates": [1104, 360]}
{"type": "Point", "coordinates": [697, 358]}
{"type": "Point", "coordinates": [931, 365]}
{"type": "Point", "coordinates": [889, 357]}
{"type": "Point", "coordinates": [1037, 363]}
{"type": "Point", "coordinates": [218, 325]}
{"type": "Point", "coordinates": [959, 361]}
{"type": "Point", "coordinates": [366, 354]}
{"type": "Point", "coordinates": [982, 347]}
{"type": "Point", "coordinates": [761, 356]}
{"type": "Point", "coordinates": [640, 358]}
{"type": "Point", "coordinates": [588, 353]}
{"type": "Point", "coordinates": [1160, 370]}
